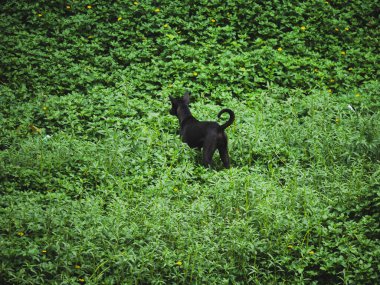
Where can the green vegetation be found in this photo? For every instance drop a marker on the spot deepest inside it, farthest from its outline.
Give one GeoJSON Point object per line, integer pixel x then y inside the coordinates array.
{"type": "Point", "coordinates": [97, 187]}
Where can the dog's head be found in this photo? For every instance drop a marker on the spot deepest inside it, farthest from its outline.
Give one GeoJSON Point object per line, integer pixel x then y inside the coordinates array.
{"type": "Point", "coordinates": [178, 103]}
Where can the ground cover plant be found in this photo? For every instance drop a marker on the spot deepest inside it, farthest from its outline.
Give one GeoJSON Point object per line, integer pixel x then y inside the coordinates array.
{"type": "Point", "coordinates": [97, 188]}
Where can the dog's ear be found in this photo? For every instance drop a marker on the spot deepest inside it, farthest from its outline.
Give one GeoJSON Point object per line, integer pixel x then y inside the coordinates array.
{"type": "Point", "coordinates": [186, 98]}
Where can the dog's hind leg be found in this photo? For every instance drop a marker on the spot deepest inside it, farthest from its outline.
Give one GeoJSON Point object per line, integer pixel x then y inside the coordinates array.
{"type": "Point", "coordinates": [209, 148]}
{"type": "Point", "coordinates": [223, 151]}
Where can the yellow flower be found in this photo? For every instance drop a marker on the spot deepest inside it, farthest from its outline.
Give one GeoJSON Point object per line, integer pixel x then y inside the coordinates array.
{"type": "Point", "coordinates": [350, 69]}
{"type": "Point", "coordinates": [39, 15]}
{"type": "Point", "coordinates": [21, 234]}
{"type": "Point", "coordinates": [311, 252]}
{"type": "Point", "coordinates": [195, 73]}
{"type": "Point", "coordinates": [178, 263]}
{"type": "Point", "coordinates": [290, 246]}
{"type": "Point", "coordinates": [337, 120]}
{"type": "Point", "coordinates": [242, 69]}
{"type": "Point", "coordinates": [44, 251]}
{"type": "Point", "coordinates": [175, 189]}
{"type": "Point", "coordinates": [81, 280]}
{"type": "Point", "coordinates": [166, 26]}
{"type": "Point", "coordinates": [89, 7]}
{"type": "Point", "coordinates": [357, 95]}
{"type": "Point", "coordinates": [119, 18]}
{"type": "Point", "coordinates": [303, 28]}
{"type": "Point", "coordinates": [68, 7]}
{"type": "Point", "coordinates": [279, 49]}
{"type": "Point", "coordinates": [332, 80]}
{"type": "Point", "coordinates": [343, 53]}
{"type": "Point", "coordinates": [135, 3]}
{"type": "Point", "coordinates": [77, 266]}
{"type": "Point", "coordinates": [213, 20]}
{"type": "Point", "coordinates": [315, 69]}
{"type": "Point", "coordinates": [44, 108]}
{"type": "Point", "coordinates": [330, 91]}
{"type": "Point", "coordinates": [157, 10]}
{"type": "Point", "coordinates": [346, 29]}
{"type": "Point", "coordinates": [336, 30]}
{"type": "Point", "coordinates": [90, 37]}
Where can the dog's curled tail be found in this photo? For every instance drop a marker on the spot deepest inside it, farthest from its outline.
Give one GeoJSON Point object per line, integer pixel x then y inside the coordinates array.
{"type": "Point", "coordinates": [230, 120]}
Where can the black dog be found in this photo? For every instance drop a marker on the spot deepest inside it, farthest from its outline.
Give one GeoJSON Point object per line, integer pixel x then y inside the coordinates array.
{"type": "Point", "coordinates": [209, 135]}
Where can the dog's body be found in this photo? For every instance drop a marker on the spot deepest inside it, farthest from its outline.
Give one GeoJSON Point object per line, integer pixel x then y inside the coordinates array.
{"type": "Point", "coordinates": [207, 135]}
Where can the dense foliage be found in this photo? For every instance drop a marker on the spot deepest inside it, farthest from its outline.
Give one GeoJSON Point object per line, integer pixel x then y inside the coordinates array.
{"type": "Point", "coordinates": [97, 188]}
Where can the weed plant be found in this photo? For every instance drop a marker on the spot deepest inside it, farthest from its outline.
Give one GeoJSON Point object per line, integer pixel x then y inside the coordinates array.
{"type": "Point", "coordinates": [97, 188]}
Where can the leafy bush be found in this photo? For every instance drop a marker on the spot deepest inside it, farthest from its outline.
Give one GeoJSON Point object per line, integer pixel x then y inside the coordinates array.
{"type": "Point", "coordinates": [97, 188]}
